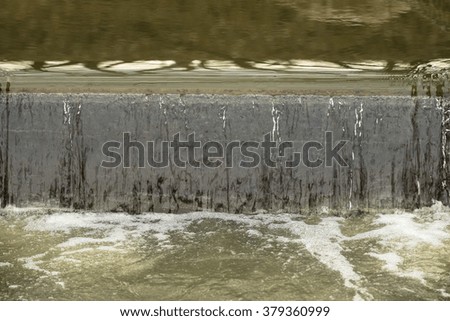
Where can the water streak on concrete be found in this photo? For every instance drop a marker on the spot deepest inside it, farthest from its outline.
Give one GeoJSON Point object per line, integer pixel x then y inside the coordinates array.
{"type": "Point", "coordinates": [51, 151]}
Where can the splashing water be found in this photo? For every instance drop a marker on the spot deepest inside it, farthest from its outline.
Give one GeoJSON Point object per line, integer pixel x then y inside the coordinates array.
{"type": "Point", "coordinates": [203, 255]}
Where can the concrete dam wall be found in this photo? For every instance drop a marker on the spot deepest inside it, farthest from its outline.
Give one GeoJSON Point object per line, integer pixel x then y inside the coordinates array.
{"type": "Point", "coordinates": [361, 152]}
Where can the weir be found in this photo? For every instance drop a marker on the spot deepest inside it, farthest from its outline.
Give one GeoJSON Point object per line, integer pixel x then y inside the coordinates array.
{"type": "Point", "coordinates": [396, 152]}
{"type": "Point", "coordinates": [283, 150]}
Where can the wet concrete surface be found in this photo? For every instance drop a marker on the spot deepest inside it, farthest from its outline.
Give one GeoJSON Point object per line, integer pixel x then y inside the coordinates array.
{"type": "Point", "coordinates": [51, 152]}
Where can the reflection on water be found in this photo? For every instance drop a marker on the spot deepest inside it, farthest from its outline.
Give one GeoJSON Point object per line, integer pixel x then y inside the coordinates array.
{"type": "Point", "coordinates": [218, 256]}
{"type": "Point", "coordinates": [348, 12]}
{"type": "Point", "coordinates": [229, 66]}
{"type": "Point", "coordinates": [295, 76]}
{"type": "Point", "coordinates": [254, 30]}
{"type": "Point", "coordinates": [201, 42]}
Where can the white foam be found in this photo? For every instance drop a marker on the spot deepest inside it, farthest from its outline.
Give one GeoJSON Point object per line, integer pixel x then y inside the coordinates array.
{"type": "Point", "coordinates": [5, 264]}
{"type": "Point", "coordinates": [138, 65]}
{"type": "Point", "coordinates": [83, 250]}
{"type": "Point", "coordinates": [108, 63]}
{"type": "Point", "coordinates": [444, 293]}
{"type": "Point", "coordinates": [75, 67]}
{"type": "Point", "coordinates": [33, 264]}
{"type": "Point", "coordinates": [323, 242]}
{"type": "Point", "coordinates": [392, 260]}
{"type": "Point", "coordinates": [51, 63]}
{"type": "Point", "coordinates": [224, 65]}
{"type": "Point", "coordinates": [415, 274]}
{"type": "Point", "coordinates": [403, 230]}
{"type": "Point", "coordinates": [397, 232]}
{"type": "Point", "coordinates": [368, 65]}
{"type": "Point", "coordinates": [253, 232]}
{"type": "Point", "coordinates": [76, 241]}
{"type": "Point", "coordinates": [299, 66]}
{"type": "Point", "coordinates": [11, 209]}
{"type": "Point", "coordinates": [67, 259]}
{"type": "Point", "coordinates": [66, 222]}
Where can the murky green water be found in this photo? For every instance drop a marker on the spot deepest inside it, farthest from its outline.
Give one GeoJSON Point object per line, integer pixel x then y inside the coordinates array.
{"type": "Point", "coordinates": [239, 46]}
{"type": "Point", "coordinates": [218, 256]}
{"type": "Point", "coordinates": [238, 30]}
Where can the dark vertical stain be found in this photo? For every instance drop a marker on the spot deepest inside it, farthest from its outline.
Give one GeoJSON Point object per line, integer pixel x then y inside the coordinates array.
{"type": "Point", "coordinates": [393, 183]}
{"type": "Point", "coordinates": [285, 202]}
{"type": "Point", "coordinates": [173, 193]}
{"type": "Point", "coordinates": [266, 180]}
{"type": "Point", "coordinates": [81, 157]}
{"type": "Point", "coordinates": [254, 203]}
{"type": "Point", "coordinates": [136, 198]}
{"type": "Point", "coordinates": [334, 197]}
{"type": "Point", "coordinates": [198, 199]}
{"type": "Point", "coordinates": [350, 181]}
{"type": "Point", "coordinates": [160, 189]}
{"type": "Point", "coordinates": [53, 189]}
{"type": "Point", "coordinates": [300, 194]}
{"type": "Point", "coordinates": [151, 206]}
{"type": "Point", "coordinates": [413, 90]}
{"type": "Point", "coordinates": [362, 176]}
{"type": "Point", "coordinates": [228, 188]}
{"type": "Point", "coordinates": [440, 89]}
{"type": "Point", "coordinates": [90, 199]}
{"type": "Point", "coordinates": [312, 197]}
{"type": "Point", "coordinates": [210, 199]}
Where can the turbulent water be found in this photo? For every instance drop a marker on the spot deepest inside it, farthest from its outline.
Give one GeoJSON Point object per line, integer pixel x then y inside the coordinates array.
{"type": "Point", "coordinates": [393, 255]}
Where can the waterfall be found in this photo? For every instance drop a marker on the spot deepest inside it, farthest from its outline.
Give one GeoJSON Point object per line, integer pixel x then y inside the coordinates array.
{"type": "Point", "coordinates": [392, 159]}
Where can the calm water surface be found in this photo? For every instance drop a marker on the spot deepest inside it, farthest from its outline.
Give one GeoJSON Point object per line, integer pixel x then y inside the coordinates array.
{"type": "Point", "coordinates": [237, 30]}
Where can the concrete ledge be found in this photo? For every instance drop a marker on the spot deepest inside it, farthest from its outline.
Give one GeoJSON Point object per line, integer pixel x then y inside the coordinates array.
{"type": "Point", "coordinates": [51, 151]}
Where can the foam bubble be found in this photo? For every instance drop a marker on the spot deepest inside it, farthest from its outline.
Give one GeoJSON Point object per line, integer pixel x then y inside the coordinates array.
{"type": "Point", "coordinates": [32, 263]}
{"type": "Point", "coordinates": [408, 230]}
{"type": "Point", "coordinates": [401, 232]}
{"type": "Point", "coordinates": [323, 242]}
{"type": "Point", "coordinates": [255, 233]}
{"type": "Point", "coordinates": [392, 260]}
